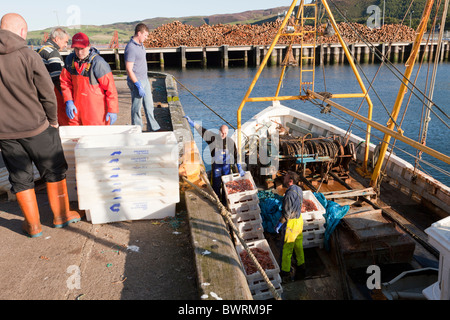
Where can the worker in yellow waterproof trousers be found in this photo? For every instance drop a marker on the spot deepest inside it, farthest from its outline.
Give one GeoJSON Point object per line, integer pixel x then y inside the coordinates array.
{"type": "Point", "coordinates": [291, 224]}
{"type": "Point", "coordinates": [293, 242]}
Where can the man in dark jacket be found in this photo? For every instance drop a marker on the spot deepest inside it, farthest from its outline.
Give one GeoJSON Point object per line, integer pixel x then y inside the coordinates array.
{"type": "Point", "coordinates": [54, 63]}
{"type": "Point", "coordinates": [223, 153]}
{"type": "Point", "coordinates": [28, 127]}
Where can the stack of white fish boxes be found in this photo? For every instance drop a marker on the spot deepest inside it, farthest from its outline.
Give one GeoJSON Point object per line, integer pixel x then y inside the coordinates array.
{"type": "Point", "coordinates": [313, 223]}
{"type": "Point", "coordinates": [127, 176]}
{"type": "Point", "coordinates": [246, 215]}
{"type": "Point", "coordinates": [244, 207]}
{"type": "Point", "coordinates": [69, 138]}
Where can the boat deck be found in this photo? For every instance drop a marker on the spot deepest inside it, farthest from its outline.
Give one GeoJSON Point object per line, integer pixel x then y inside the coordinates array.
{"type": "Point", "coordinates": [331, 275]}
{"type": "Point", "coordinates": [392, 242]}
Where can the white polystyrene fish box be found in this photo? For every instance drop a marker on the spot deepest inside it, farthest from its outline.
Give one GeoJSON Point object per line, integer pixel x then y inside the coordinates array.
{"type": "Point", "coordinates": [133, 210]}
{"type": "Point", "coordinates": [439, 237]}
{"type": "Point", "coordinates": [69, 138]}
{"type": "Point", "coordinates": [127, 176]}
{"type": "Point", "coordinates": [113, 199]}
{"type": "Point", "coordinates": [130, 186]}
{"type": "Point", "coordinates": [237, 177]}
{"type": "Point", "coordinates": [263, 245]}
{"type": "Point", "coordinates": [70, 135]}
{"type": "Point", "coordinates": [102, 175]}
{"type": "Point", "coordinates": [158, 145]}
{"type": "Point", "coordinates": [76, 132]}
{"type": "Point", "coordinates": [126, 191]}
{"type": "Point", "coordinates": [310, 216]}
{"type": "Point", "coordinates": [122, 163]}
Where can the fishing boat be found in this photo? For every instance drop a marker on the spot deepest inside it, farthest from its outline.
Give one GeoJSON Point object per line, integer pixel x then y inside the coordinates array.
{"type": "Point", "coordinates": [390, 202]}
{"type": "Point", "coordinates": [386, 223]}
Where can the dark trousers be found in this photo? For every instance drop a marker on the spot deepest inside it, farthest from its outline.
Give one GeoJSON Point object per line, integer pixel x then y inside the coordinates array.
{"type": "Point", "coordinates": [44, 149]}
{"type": "Point", "coordinates": [219, 170]}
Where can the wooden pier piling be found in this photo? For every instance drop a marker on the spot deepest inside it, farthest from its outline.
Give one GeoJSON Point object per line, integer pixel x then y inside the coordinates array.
{"type": "Point", "coordinates": [251, 56]}
{"type": "Point", "coordinates": [224, 52]}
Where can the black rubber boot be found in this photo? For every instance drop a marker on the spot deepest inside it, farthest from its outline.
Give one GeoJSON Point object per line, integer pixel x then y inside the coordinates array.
{"type": "Point", "coordinates": [285, 277]}
{"type": "Point", "coordinates": [300, 272]}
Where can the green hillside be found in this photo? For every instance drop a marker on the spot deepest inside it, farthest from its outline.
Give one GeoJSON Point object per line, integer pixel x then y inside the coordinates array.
{"type": "Point", "coordinates": [395, 11]}
{"type": "Point", "coordinates": [104, 33]}
{"type": "Point", "coordinates": [97, 34]}
{"type": "Point", "coordinates": [353, 10]}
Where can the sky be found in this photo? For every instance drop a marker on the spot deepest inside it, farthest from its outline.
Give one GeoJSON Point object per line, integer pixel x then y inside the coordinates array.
{"type": "Point", "coordinates": [41, 14]}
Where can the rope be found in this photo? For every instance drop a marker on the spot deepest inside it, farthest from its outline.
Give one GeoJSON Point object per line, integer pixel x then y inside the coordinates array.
{"type": "Point", "coordinates": [204, 103]}
{"type": "Point", "coordinates": [227, 216]}
{"type": "Point", "coordinates": [210, 109]}
{"type": "Point", "coordinates": [393, 68]}
{"type": "Point", "coordinates": [318, 105]}
{"type": "Point", "coordinates": [425, 118]}
{"type": "Point", "coordinates": [419, 153]}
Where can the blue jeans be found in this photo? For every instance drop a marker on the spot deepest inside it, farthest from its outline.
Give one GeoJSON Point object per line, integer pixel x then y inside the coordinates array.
{"type": "Point", "coordinates": [136, 105]}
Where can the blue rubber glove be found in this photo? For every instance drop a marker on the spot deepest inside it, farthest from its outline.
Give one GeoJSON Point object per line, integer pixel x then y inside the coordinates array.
{"type": "Point", "coordinates": [112, 117]}
{"type": "Point", "coordinates": [140, 88]}
{"type": "Point", "coordinates": [277, 229]}
{"type": "Point", "coordinates": [189, 120]}
{"type": "Point", "coordinates": [241, 172]}
{"type": "Point", "coordinates": [71, 109]}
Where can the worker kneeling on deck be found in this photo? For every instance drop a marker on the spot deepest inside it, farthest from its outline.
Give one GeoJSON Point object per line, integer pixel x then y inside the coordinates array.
{"type": "Point", "coordinates": [88, 86]}
{"type": "Point", "coordinates": [28, 127]}
{"type": "Point", "coordinates": [223, 153]}
{"type": "Point", "coordinates": [291, 227]}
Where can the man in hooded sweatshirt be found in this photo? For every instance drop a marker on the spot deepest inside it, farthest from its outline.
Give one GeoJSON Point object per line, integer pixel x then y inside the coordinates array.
{"type": "Point", "coordinates": [28, 127]}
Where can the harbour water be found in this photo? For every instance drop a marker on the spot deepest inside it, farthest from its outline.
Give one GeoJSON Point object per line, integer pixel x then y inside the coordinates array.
{"type": "Point", "coordinates": [224, 89]}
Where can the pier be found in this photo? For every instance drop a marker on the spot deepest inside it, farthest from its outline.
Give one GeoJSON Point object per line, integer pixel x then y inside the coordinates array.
{"type": "Point", "coordinates": [252, 56]}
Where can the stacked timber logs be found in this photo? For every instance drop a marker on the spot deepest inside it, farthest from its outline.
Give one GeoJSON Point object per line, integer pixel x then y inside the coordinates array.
{"type": "Point", "coordinates": [177, 34]}
{"type": "Point", "coordinates": [356, 32]}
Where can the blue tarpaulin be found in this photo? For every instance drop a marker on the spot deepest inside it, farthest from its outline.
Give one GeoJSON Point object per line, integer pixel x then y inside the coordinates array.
{"type": "Point", "coordinates": [333, 215]}
{"type": "Point", "coordinates": [271, 205]}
